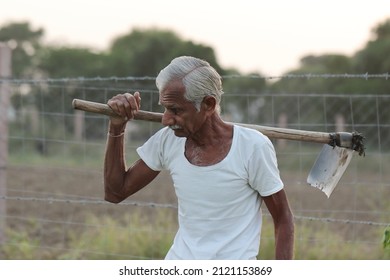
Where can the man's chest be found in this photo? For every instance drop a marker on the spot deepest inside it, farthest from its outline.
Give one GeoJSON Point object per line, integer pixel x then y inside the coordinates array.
{"type": "Point", "coordinates": [207, 156]}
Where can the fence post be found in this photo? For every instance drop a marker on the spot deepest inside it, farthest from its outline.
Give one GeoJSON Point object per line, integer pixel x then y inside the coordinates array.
{"type": "Point", "coordinates": [5, 72]}
{"type": "Point", "coordinates": [282, 123]}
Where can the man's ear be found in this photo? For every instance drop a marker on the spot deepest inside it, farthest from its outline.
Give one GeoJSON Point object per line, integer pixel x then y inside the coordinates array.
{"type": "Point", "coordinates": [209, 104]}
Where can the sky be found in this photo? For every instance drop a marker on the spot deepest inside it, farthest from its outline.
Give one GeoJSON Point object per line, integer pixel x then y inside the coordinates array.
{"type": "Point", "coordinates": [263, 36]}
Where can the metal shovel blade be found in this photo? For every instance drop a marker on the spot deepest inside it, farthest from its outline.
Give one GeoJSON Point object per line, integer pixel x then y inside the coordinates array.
{"type": "Point", "coordinates": [329, 167]}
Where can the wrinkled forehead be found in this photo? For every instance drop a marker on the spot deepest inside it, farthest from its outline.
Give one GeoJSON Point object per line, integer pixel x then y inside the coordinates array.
{"type": "Point", "coordinates": [173, 92]}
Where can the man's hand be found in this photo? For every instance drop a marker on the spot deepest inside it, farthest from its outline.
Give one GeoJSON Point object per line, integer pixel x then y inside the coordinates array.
{"type": "Point", "coordinates": [126, 106]}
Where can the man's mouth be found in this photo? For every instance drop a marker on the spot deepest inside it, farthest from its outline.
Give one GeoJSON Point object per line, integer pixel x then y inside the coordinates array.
{"type": "Point", "coordinates": [175, 127]}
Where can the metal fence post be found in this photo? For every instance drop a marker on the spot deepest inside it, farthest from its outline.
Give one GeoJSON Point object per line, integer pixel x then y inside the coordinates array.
{"type": "Point", "coordinates": [5, 72]}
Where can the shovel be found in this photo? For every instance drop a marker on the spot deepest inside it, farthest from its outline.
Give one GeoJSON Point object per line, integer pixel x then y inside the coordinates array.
{"type": "Point", "coordinates": [329, 167]}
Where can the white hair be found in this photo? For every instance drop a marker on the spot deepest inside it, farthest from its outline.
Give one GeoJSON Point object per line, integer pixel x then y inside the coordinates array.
{"type": "Point", "coordinates": [199, 78]}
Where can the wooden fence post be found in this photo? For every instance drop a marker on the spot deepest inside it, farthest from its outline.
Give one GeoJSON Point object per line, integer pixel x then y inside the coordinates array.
{"type": "Point", "coordinates": [5, 72]}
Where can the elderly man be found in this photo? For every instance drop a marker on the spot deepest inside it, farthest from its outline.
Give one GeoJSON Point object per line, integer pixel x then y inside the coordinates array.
{"type": "Point", "coordinates": [221, 172]}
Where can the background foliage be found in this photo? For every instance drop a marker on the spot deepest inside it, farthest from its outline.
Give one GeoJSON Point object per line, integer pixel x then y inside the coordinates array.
{"type": "Point", "coordinates": [142, 53]}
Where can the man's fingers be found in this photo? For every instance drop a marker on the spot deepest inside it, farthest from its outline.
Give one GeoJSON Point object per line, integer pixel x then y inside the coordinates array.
{"type": "Point", "coordinates": [131, 106]}
{"type": "Point", "coordinates": [114, 105]}
{"type": "Point", "coordinates": [137, 96]}
{"type": "Point", "coordinates": [125, 105]}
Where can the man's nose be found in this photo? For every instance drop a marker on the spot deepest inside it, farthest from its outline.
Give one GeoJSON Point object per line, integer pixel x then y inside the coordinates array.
{"type": "Point", "coordinates": [167, 119]}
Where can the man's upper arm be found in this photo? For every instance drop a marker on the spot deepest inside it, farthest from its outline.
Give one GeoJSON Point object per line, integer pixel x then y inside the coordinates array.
{"type": "Point", "coordinates": [137, 177]}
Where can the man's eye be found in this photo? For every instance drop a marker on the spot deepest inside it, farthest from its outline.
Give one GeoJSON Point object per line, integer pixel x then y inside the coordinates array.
{"type": "Point", "coordinates": [174, 111]}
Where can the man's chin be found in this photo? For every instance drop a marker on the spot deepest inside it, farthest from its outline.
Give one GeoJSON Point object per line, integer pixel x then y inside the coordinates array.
{"type": "Point", "coordinates": [179, 132]}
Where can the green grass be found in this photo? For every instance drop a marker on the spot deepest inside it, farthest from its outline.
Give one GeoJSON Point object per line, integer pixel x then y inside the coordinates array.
{"type": "Point", "coordinates": [131, 237]}
{"type": "Point", "coordinates": [134, 236]}
{"type": "Point", "coordinates": [323, 243]}
{"type": "Point", "coordinates": [75, 155]}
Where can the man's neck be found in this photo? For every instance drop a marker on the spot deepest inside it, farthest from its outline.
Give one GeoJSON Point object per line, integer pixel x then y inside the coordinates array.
{"type": "Point", "coordinates": [213, 132]}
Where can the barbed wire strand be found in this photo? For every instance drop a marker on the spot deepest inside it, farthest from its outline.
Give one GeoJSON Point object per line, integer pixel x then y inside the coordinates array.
{"type": "Point", "coordinates": [174, 206]}
{"type": "Point", "coordinates": [88, 201]}
{"type": "Point", "coordinates": [365, 76]}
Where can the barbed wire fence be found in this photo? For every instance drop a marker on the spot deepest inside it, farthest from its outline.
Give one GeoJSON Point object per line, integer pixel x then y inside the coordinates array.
{"type": "Point", "coordinates": [54, 191]}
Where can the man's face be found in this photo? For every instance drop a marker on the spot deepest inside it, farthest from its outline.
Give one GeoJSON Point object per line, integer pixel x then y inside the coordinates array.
{"type": "Point", "coordinates": [180, 114]}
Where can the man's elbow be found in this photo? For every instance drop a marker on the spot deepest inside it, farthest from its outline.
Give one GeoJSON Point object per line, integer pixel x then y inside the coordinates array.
{"type": "Point", "coordinates": [112, 198]}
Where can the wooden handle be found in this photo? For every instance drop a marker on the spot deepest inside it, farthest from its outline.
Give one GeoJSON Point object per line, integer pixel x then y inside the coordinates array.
{"type": "Point", "coordinates": [291, 134]}
{"type": "Point", "coordinates": [271, 132]}
{"type": "Point", "coordinates": [104, 109]}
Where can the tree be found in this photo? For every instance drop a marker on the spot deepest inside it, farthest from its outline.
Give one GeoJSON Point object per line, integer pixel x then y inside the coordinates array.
{"type": "Point", "coordinates": [146, 52]}
{"type": "Point", "coordinates": [25, 44]}
{"type": "Point", "coordinates": [374, 59]}
{"type": "Point", "coordinates": [322, 64]}
{"type": "Point", "coordinates": [57, 62]}
{"type": "Point", "coordinates": [143, 53]}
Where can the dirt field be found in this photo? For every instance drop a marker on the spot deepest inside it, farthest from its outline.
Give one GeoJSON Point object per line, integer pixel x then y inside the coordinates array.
{"type": "Point", "coordinates": [62, 183]}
